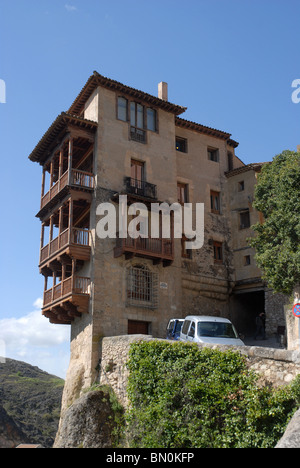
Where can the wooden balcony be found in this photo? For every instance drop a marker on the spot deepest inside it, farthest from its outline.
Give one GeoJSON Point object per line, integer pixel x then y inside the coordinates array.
{"type": "Point", "coordinates": [67, 300]}
{"type": "Point", "coordinates": [75, 179]}
{"type": "Point", "coordinates": [73, 242]}
{"type": "Point", "coordinates": [158, 250]}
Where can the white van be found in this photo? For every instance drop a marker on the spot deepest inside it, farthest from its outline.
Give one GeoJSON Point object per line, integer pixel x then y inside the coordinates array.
{"type": "Point", "coordinates": [215, 330]}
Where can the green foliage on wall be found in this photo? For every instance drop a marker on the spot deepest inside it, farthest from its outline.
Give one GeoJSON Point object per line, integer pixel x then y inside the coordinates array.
{"type": "Point", "coordinates": [183, 397]}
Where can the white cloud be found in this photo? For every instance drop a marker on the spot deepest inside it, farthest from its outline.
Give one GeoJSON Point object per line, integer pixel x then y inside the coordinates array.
{"type": "Point", "coordinates": [33, 339]}
{"type": "Point", "coordinates": [70, 7]}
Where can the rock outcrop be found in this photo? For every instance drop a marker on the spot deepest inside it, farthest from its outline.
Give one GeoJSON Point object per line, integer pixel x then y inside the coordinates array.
{"type": "Point", "coordinates": [291, 438]}
{"type": "Point", "coordinates": [89, 423]}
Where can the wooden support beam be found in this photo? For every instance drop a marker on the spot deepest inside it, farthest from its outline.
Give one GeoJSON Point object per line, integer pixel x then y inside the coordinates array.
{"type": "Point", "coordinates": [70, 157]}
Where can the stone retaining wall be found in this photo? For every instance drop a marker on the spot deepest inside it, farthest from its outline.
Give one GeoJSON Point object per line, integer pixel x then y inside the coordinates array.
{"type": "Point", "coordinates": [275, 366]}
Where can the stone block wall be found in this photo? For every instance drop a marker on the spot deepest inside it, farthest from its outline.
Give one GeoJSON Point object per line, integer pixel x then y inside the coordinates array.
{"type": "Point", "coordinates": [276, 367]}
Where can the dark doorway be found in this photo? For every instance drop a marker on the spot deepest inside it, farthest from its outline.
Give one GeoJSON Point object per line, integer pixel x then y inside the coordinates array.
{"type": "Point", "coordinates": [138, 328]}
{"type": "Point", "coordinates": [244, 308]}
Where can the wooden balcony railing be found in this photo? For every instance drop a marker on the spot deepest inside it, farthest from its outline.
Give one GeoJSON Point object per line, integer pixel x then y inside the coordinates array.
{"type": "Point", "coordinates": [75, 236]}
{"type": "Point", "coordinates": [73, 285]}
{"type": "Point", "coordinates": [73, 178]}
{"type": "Point", "coordinates": [152, 248]}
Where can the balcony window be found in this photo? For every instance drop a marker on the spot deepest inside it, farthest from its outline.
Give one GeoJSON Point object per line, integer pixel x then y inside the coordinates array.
{"type": "Point", "coordinates": [137, 170]}
{"type": "Point", "coordinates": [141, 118]}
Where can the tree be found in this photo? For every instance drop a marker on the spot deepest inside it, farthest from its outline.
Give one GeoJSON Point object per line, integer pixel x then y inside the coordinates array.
{"type": "Point", "coordinates": [277, 243]}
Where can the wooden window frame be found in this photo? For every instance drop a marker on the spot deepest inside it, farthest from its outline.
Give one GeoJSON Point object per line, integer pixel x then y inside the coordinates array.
{"type": "Point", "coordinates": [218, 248]}
{"type": "Point", "coordinates": [136, 133]}
{"type": "Point", "coordinates": [185, 253]}
{"type": "Point", "coordinates": [242, 225]}
{"type": "Point", "coordinates": [135, 163]}
{"type": "Point", "coordinates": [184, 141]}
{"type": "Point", "coordinates": [215, 152]}
{"type": "Point", "coordinates": [182, 186]}
{"type": "Point", "coordinates": [125, 99]}
{"type": "Point", "coordinates": [213, 197]}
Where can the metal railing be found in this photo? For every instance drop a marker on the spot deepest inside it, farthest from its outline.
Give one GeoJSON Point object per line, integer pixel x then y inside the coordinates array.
{"type": "Point", "coordinates": [140, 188]}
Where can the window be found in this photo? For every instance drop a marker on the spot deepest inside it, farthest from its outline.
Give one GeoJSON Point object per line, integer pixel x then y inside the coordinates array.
{"type": "Point", "coordinates": [218, 252]}
{"type": "Point", "coordinates": [215, 202]}
{"type": "Point", "coordinates": [151, 120]}
{"type": "Point", "coordinates": [186, 327]}
{"type": "Point", "coordinates": [245, 219]}
{"type": "Point", "coordinates": [137, 122]}
{"type": "Point", "coordinates": [136, 115]}
{"type": "Point", "coordinates": [192, 330]}
{"type": "Point", "coordinates": [142, 287]}
{"type": "Point", "coordinates": [241, 186]}
{"type": "Point", "coordinates": [122, 109]}
{"type": "Point", "coordinates": [137, 171]}
{"type": "Point", "coordinates": [185, 253]}
{"type": "Point", "coordinates": [181, 145]}
{"type": "Point", "coordinates": [141, 118]}
{"type": "Point", "coordinates": [182, 193]}
{"type": "Point", "coordinates": [213, 154]}
{"type": "Point", "coordinates": [247, 260]}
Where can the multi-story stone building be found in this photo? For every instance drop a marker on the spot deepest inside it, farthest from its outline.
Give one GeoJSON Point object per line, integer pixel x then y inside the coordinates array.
{"type": "Point", "coordinates": [115, 140]}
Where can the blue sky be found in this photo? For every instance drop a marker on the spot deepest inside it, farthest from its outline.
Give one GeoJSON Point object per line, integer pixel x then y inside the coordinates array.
{"type": "Point", "coordinates": [231, 62]}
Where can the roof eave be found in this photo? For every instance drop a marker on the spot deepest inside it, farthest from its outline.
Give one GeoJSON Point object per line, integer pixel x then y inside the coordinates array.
{"type": "Point", "coordinates": [54, 130]}
{"type": "Point", "coordinates": [98, 80]}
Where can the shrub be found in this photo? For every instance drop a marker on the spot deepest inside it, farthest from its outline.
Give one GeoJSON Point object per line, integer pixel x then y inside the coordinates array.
{"type": "Point", "coordinates": [183, 397]}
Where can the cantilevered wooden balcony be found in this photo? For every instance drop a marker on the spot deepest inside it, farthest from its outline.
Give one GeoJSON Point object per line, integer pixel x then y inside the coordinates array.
{"type": "Point", "coordinates": [158, 250]}
{"type": "Point", "coordinates": [74, 242]}
{"type": "Point", "coordinates": [67, 300]}
{"type": "Point", "coordinates": [72, 178]}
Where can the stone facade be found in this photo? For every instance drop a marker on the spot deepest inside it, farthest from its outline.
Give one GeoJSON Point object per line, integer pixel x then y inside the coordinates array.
{"type": "Point", "coordinates": [185, 162]}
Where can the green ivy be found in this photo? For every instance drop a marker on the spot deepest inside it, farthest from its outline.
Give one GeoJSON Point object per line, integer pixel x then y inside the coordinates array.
{"type": "Point", "coordinates": [183, 397]}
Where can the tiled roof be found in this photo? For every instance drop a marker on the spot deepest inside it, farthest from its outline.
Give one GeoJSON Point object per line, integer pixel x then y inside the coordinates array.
{"type": "Point", "coordinates": [202, 129]}
{"type": "Point", "coordinates": [98, 80]}
{"type": "Point", "coordinates": [45, 145]}
{"type": "Point", "coordinates": [250, 167]}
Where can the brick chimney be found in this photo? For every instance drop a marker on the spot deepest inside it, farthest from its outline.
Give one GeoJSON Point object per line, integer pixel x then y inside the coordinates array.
{"type": "Point", "coordinates": [163, 91]}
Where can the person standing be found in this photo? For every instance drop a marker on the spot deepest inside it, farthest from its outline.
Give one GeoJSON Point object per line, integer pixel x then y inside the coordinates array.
{"type": "Point", "coordinates": [260, 326]}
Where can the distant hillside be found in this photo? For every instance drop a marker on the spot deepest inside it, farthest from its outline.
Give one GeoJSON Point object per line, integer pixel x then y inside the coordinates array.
{"type": "Point", "coordinates": [30, 401]}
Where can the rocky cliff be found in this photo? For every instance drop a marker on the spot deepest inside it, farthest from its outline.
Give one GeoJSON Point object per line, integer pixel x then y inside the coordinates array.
{"type": "Point", "coordinates": [30, 402]}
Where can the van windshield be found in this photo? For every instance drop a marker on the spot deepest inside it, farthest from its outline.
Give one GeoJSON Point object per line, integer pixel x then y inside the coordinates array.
{"type": "Point", "coordinates": [216, 330]}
